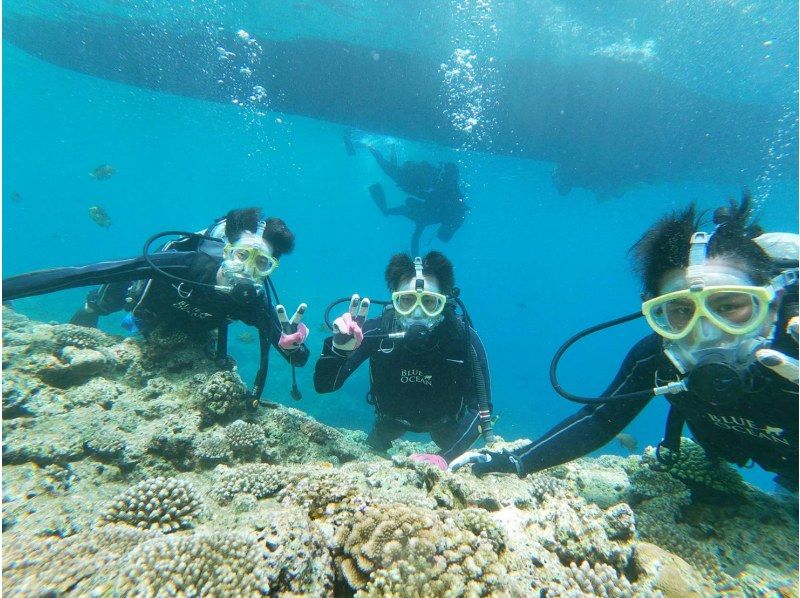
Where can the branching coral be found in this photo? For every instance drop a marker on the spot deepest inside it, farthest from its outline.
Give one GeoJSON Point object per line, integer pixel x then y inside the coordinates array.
{"type": "Point", "coordinates": [260, 480]}
{"type": "Point", "coordinates": [211, 564]}
{"type": "Point", "coordinates": [244, 437]}
{"type": "Point", "coordinates": [165, 504]}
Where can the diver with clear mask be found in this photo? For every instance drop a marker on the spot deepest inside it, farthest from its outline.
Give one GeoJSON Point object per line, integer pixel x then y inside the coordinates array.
{"type": "Point", "coordinates": [724, 311]}
{"type": "Point", "coordinates": [198, 283]}
{"type": "Point", "coordinates": [428, 367]}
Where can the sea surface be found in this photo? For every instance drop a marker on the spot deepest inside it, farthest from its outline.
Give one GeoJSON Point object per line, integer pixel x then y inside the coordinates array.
{"type": "Point", "coordinates": [640, 107]}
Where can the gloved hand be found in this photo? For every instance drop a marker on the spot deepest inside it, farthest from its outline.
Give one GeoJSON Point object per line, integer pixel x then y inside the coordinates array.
{"type": "Point", "coordinates": [435, 460]}
{"type": "Point", "coordinates": [347, 333]}
{"type": "Point", "coordinates": [487, 462]}
{"type": "Point", "coordinates": [783, 365]}
{"type": "Point", "coordinates": [294, 331]}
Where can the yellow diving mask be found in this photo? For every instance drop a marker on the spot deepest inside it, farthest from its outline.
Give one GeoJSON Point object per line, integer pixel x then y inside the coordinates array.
{"type": "Point", "coordinates": [405, 302]}
{"type": "Point", "coordinates": [735, 309]}
{"type": "Point", "coordinates": [252, 260]}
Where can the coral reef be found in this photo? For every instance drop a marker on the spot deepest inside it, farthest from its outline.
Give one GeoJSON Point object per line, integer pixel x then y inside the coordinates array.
{"type": "Point", "coordinates": [260, 480]}
{"type": "Point", "coordinates": [107, 472]}
{"type": "Point", "coordinates": [694, 468]}
{"type": "Point", "coordinates": [165, 504]}
{"type": "Point", "coordinates": [222, 395]}
{"type": "Point", "coordinates": [244, 437]}
{"type": "Point", "coordinates": [208, 564]}
{"type": "Point", "coordinates": [213, 448]}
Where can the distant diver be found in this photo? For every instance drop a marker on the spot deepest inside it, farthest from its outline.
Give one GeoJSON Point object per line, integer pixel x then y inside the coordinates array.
{"type": "Point", "coordinates": [723, 307]}
{"type": "Point", "coordinates": [434, 195]}
{"type": "Point", "coordinates": [428, 368]}
{"type": "Point", "coordinates": [197, 283]}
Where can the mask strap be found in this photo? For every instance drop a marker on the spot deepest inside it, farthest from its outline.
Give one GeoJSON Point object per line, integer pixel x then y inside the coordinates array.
{"type": "Point", "coordinates": [695, 273]}
{"type": "Point", "coordinates": [419, 283]}
{"type": "Point", "coordinates": [785, 279]}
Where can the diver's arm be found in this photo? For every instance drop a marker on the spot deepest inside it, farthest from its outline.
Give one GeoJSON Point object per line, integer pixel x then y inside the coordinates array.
{"type": "Point", "coordinates": [595, 425]}
{"type": "Point", "coordinates": [390, 168]}
{"type": "Point", "coordinates": [56, 279]}
{"type": "Point", "coordinates": [335, 366]}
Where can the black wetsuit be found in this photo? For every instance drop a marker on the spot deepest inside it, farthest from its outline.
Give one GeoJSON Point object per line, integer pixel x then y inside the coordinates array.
{"type": "Point", "coordinates": [762, 425]}
{"type": "Point", "coordinates": [163, 301]}
{"type": "Point", "coordinates": [434, 196]}
{"type": "Point", "coordinates": [429, 389]}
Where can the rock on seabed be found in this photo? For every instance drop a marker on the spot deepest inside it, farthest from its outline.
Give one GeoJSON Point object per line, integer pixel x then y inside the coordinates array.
{"type": "Point", "coordinates": [286, 506]}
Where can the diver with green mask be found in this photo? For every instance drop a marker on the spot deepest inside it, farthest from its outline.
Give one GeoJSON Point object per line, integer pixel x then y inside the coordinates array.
{"type": "Point", "coordinates": [197, 284]}
{"type": "Point", "coordinates": [724, 311]}
{"type": "Point", "coordinates": [428, 368]}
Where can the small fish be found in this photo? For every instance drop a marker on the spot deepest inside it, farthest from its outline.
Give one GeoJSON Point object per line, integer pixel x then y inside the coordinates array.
{"type": "Point", "coordinates": [103, 172]}
{"type": "Point", "coordinates": [16, 197]}
{"type": "Point", "coordinates": [100, 217]}
{"type": "Point", "coordinates": [323, 327]}
{"type": "Point", "coordinates": [627, 441]}
{"type": "Point", "coordinates": [521, 305]}
{"type": "Point", "coordinates": [246, 337]}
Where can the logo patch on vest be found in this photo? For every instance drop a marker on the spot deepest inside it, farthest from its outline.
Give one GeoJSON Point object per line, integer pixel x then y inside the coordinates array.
{"type": "Point", "coordinates": [742, 425]}
{"type": "Point", "coordinates": [415, 377]}
{"type": "Point", "coordinates": [191, 310]}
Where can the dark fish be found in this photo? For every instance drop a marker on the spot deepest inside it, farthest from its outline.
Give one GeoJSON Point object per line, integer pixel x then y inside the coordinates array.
{"type": "Point", "coordinates": [627, 441]}
{"type": "Point", "coordinates": [103, 172]}
{"type": "Point", "coordinates": [521, 305]}
{"type": "Point", "coordinates": [16, 197]}
{"type": "Point", "coordinates": [246, 337]}
{"type": "Point", "coordinates": [100, 217]}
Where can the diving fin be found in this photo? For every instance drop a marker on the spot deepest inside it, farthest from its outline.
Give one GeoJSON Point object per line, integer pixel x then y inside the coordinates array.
{"type": "Point", "coordinates": [378, 196]}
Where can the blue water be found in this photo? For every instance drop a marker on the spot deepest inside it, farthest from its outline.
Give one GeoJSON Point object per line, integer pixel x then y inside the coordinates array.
{"type": "Point", "coordinates": [534, 267]}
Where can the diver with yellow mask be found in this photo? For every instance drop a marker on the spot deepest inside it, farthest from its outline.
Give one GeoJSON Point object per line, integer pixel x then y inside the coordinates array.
{"type": "Point", "coordinates": [197, 283]}
{"type": "Point", "coordinates": [428, 368]}
{"type": "Point", "coordinates": [724, 311]}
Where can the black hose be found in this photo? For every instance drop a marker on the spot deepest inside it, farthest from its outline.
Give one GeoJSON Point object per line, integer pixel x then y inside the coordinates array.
{"type": "Point", "coordinates": [169, 233]}
{"type": "Point", "coordinates": [642, 394]}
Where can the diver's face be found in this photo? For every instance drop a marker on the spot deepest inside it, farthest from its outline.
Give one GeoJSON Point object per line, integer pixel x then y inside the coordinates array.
{"type": "Point", "coordinates": [418, 316]}
{"type": "Point", "coordinates": [249, 261]}
{"type": "Point", "coordinates": [735, 308]}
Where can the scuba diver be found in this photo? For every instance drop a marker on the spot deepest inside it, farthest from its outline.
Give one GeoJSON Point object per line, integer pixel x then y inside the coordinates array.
{"type": "Point", "coordinates": [724, 310]}
{"type": "Point", "coordinates": [428, 368]}
{"type": "Point", "coordinates": [198, 283]}
{"type": "Point", "coordinates": [434, 196]}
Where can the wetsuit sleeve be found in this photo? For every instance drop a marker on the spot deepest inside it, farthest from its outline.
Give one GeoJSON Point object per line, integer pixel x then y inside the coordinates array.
{"type": "Point", "coordinates": [56, 279]}
{"type": "Point", "coordinates": [595, 425]}
{"type": "Point", "coordinates": [334, 366]}
{"type": "Point", "coordinates": [482, 382]}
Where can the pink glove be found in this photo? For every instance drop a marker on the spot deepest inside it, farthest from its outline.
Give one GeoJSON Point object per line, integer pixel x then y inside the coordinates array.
{"type": "Point", "coordinates": [347, 333]}
{"type": "Point", "coordinates": [289, 342]}
{"type": "Point", "coordinates": [434, 460]}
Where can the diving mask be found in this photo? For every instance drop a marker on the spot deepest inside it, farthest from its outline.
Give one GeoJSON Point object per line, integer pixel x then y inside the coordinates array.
{"type": "Point", "coordinates": [249, 260]}
{"type": "Point", "coordinates": [431, 304]}
{"type": "Point", "coordinates": [735, 309]}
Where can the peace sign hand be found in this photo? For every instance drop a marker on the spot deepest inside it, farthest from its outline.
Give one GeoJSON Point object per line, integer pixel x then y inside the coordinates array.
{"type": "Point", "coordinates": [294, 332]}
{"type": "Point", "coordinates": [347, 333]}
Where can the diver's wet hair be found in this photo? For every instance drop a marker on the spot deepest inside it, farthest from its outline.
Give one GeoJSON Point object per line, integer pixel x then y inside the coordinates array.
{"type": "Point", "coordinates": [401, 268]}
{"type": "Point", "coordinates": [279, 237]}
{"type": "Point", "coordinates": [276, 233]}
{"type": "Point", "coordinates": [665, 246]}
